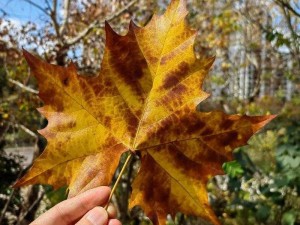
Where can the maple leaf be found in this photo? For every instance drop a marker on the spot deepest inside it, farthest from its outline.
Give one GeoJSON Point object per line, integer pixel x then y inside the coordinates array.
{"type": "Point", "coordinates": [144, 100]}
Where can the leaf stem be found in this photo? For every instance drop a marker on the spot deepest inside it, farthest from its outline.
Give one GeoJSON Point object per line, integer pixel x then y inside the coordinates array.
{"type": "Point", "coordinates": [119, 178]}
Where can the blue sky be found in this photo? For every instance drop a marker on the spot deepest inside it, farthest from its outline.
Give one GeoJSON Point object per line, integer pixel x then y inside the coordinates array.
{"type": "Point", "coordinates": [22, 11]}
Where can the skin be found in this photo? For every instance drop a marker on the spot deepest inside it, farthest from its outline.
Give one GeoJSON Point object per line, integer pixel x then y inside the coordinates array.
{"type": "Point", "coordinates": [84, 209]}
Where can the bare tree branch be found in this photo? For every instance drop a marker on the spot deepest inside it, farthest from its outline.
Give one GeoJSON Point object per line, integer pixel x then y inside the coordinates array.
{"type": "Point", "coordinates": [54, 6]}
{"type": "Point", "coordinates": [19, 84]}
{"type": "Point", "coordinates": [66, 14]}
{"type": "Point", "coordinates": [9, 199]}
{"type": "Point", "coordinates": [294, 36]}
{"type": "Point", "coordinates": [26, 130]}
{"type": "Point", "coordinates": [98, 24]}
{"type": "Point", "coordinates": [53, 17]}
{"type": "Point", "coordinates": [3, 12]}
{"type": "Point", "coordinates": [36, 202]}
{"type": "Point", "coordinates": [118, 13]}
{"type": "Point", "coordinates": [48, 4]}
{"type": "Point", "coordinates": [288, 6]}
{"type": "Point", "coordinates": [3, 129]}
{"type": "Point", "coordinates": [6, 205]}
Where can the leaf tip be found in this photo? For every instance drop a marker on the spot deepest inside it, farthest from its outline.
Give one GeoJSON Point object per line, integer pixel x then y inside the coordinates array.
{"type": "Point", "coordinates": [132, 25]}
{"type": "Point", "coordinates": [28, 57]}
{"type": "Point", "coordinates": [16, 184]}
{"type": "Point", "coordinates": [178, 6]}
{"type": "Point", "coordinates": [210, 61]}
{"type": "Point", "coordinates": [20, 182]}
{"type": "Point", "coordinates": [33, 61]}
{"type": "Point", "coordinates": [110, 34]}
{"type": "Point", "coordinates": [71, 66]}
{"type": "Point", "coordinates": [259, 122]}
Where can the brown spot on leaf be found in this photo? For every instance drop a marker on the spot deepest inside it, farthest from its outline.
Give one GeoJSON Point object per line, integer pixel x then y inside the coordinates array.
{"type": "Point", "coordinates": [68, 138]}
{"type": "Point", "coordinates": [180, 89]}
{"type": "Point", "coordinates": [152, 59]}
{"type": "Point", "coordinates": [164, 101]}
{"type": "Point", "coordinates": [59, 145]}
{"type": "Point", "coordinates": [150, 192]}
{"type": "Point", "coordinates": [139, 113]}
{"type": "Point", "coordinates": [173, 77]}
{"type": "Point", "coordinates": [166, 58]}
{"type": "Point", "coordinates": [69, 125]}
{"type": "Point", "coordinates": [107, 121]}
{"type": "Point", "coordinates": [66, 81]}
{"type": "Point", "coordinates": [207, 131]}
{"type": "Point", "coordinates": [98, 89]}
{"type": "Point", "coordinates": [226, 124]}
{"type": "Point", "coordinates": [185, 164]}
{"type": "Point", "coordinates": [126, 59]}
{"type": "Point", "coordinates": [108, 83]}
{"type": "Point", "coordinates": [127, 51]}
{"type": "Point", "coordinates": [51, 97]}
{"type": "Point", "coordinates": [170, 81]}
{"type": "Point", "coordinates": [132, 122]}
{"type": "Point", "coordinates": [195, 126]}
{"type": "Point", "coordinates": [228, 138]}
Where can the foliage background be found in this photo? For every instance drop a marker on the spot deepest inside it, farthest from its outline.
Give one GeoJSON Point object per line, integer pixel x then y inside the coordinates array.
{"type": "Point", "coordinates": [256, 72]}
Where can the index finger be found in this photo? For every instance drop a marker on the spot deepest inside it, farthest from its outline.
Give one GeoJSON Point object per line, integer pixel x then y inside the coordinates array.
{"type": "Point", "coordinates": [71, 210]}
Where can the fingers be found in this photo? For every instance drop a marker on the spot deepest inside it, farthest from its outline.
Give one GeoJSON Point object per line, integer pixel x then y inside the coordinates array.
{"type": "Point", "coordinates": [112, 212]}
{"type": "Point", "coordinates": [97, 216]}
{"type": "Point", "coordinates": [114, 222]}
{"type": "Point", "coordinates": [71, 210]}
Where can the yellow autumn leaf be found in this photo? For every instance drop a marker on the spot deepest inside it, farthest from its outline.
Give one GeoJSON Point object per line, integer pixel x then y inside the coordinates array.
{"type": "Point", "coordinates": [144, 100]}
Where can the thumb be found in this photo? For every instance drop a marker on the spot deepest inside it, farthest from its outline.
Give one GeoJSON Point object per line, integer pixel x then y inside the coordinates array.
{"type": "Point", "coordinates": [96, 216]}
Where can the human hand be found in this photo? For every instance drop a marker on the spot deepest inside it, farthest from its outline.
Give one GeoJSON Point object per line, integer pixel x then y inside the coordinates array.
{"type": "Point", "coordinates": [84, 209]}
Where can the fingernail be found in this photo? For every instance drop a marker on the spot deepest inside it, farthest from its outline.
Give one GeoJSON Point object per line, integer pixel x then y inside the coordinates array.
{"type": "Point", "coordinates": [97, 216]}
{"type": "Point", "coordinates": [111, 211]}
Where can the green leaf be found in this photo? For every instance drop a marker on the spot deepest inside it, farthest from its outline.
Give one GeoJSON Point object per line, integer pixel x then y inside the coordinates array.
{"type": "Point", "coordinates": [263, 212]}
{"type": "Point", "coordinates": [233, 169]}
{"type": "Point", "coordinates": [288, 218]}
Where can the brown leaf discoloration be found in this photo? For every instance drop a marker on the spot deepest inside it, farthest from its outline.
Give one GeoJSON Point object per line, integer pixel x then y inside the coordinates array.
{"type": "Point", "coordinates": [66, 81]}
{"type": "Point", "coordinates": [175, 76]}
